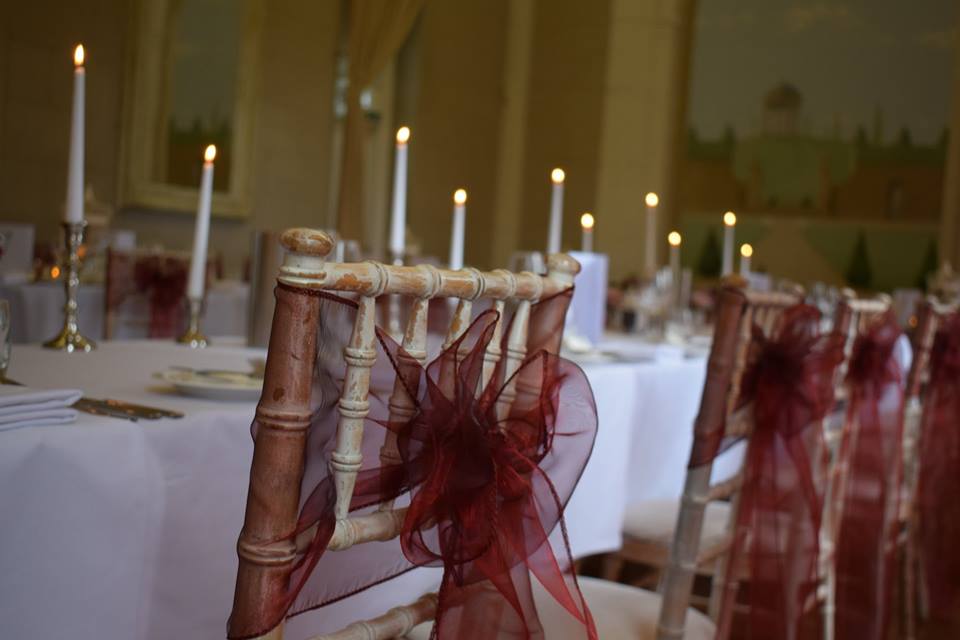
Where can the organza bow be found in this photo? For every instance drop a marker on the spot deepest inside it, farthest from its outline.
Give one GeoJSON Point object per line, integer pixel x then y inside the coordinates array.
{"type": "Point", "coordinates": [868, 494]}
{"type": "Point", "coordinates": [163, 279]}
{"type": "Point", "coordinates": [789, 382]}
{"type": "Point", "coordinates": [483, 508]}
{"type": "Point", "coordinates": [938, 489]}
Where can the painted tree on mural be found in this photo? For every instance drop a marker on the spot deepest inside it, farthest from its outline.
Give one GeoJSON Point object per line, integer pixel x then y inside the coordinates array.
{"type": "Point", "coordinates": [710, 262]}
{"type": "Point", "coordinates": [859, 274]}
{"type": "Point", "coordinates": [930, 263]}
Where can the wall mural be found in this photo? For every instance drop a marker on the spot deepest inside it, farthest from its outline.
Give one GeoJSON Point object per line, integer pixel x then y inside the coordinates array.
{"type": "Point", "coordinates": [824, 126]}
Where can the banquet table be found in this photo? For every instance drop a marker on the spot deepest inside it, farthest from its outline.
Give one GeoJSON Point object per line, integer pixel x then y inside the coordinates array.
{"type": "Point", "coordinates": [128, 530]}
{"type": "Point", "coordinates": [37, 311]}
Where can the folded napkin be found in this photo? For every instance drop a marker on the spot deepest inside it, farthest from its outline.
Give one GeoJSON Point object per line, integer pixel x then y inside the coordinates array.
{"type": "Point", "coordinates": [25, 407]}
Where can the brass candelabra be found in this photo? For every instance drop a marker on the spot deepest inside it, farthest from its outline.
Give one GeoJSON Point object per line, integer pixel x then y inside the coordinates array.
{"type": "Point", "coordinates": [70, 339]}
{"type": "Point", "coordinates": [193, 336]}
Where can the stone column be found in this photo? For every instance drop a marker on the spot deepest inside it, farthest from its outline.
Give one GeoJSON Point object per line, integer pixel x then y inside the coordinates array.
{"type": "Point", "coordinates": [512, 141]}
{"type": "Point", "coordinates": [644, 120]}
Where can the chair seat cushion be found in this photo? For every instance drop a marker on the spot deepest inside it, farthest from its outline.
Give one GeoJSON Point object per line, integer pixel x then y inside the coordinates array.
{"type": "Point", "coordinates": [655, 520]}
{"type": "Point", "coordinates": [619, 611]}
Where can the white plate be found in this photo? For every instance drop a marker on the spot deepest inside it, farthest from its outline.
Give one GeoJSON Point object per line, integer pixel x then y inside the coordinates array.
{"type": "Point", "coordinates": [214, 385]}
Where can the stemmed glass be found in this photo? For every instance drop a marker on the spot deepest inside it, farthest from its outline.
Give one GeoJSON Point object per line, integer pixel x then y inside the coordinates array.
{"type": "Point", "coordinates": [4, 338]}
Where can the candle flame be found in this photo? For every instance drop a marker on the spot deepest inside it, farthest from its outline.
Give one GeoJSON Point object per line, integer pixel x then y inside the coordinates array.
{"type": "Point", "coordinates": [55, 272]}
{"type": "Point", "coordinates": [558, 176]}
{"type": "Point", "coordinates": [210, 153]}
{"type": "Point", "coordinates": [674, 238]}
{"type": "Point", "coordinates": [651, 199]}
{"type": "Point", "coordinates": [746, 250]}
{"type": "Point", "coordinates": [460, 196]}
{"type": "Point", "coordinates": [78, 56]}
{"type": "Point", "coordinates": [587, 221]}
{"type": "Point", "coordinates": [730, 218]}
{"type": "Point", "coordinates": [403, 135]}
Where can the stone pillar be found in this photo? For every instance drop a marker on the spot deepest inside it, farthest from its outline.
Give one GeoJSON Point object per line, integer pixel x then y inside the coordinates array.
{"type": "Point", "coordinates": [644, 120]}
{"type": "Point", "coordinates": [512, 141]}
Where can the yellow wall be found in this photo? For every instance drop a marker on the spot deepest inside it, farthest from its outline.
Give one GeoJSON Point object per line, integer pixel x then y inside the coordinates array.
{"type": "Point", "coordinates": [497, 92]}
{"type": "Point", "coordinates": [293, 117]}
{"type": "Point", "coordinates": [36, 44]}
{"type": "Point", "coordinates": [455, 119]}
{"type": "Point", "coordinates": [564, 114]}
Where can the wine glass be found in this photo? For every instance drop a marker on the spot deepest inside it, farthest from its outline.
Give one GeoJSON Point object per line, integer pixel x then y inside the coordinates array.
{"type": "Point", "coordinates": [4, 338]}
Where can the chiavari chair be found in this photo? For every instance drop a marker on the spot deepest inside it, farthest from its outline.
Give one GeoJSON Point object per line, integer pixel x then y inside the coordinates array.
{"type": "Point", "coordinates": [737, 313]}
{"type": "Point", "coordinates": [284, 411]}
{"type": "Point", "coordinates": [930, 315]}
{"type": "Point", "coordinates": [649, 525]}
{"type": "Point", "coordinates": [853, 317]}
{"type": "Point", "coordinates": [623, 611]}
{"type": "Point", "coordinates": [158, 275]}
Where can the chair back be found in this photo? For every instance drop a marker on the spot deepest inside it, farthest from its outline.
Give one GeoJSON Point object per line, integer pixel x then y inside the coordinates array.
{"type": "Point", "coordinates": [284, 412]}
{"type": "Point", "coordinates": [738, 311]}
{"type": "Point", "coordinates": [930, 314]}
{"type": "Point", "coordinates": [853, 317]}
{"type": "Point", "coordinates": [147, 285]}
{"type": "Point", "coordinates": [145, 290]}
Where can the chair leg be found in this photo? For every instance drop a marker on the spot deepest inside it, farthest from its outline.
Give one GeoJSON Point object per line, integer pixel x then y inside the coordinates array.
{"type": "Point", "coordinates": [829, 606]}
{"type": "Point", "coordinates": [910, 588]}
{"type": "Point", "coordinates": [612, 566]}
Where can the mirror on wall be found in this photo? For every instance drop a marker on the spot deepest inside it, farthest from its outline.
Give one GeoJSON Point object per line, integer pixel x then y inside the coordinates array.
{"type": "Point", "coordinates": [191, 86]}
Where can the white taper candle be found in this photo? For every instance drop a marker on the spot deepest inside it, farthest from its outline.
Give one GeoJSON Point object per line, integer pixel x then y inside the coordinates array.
{"type": "Point", "coordinates": [674, 240]}
{"type": "Point", "coordinates": [398, 215]}
{"type": "Point", "coordinates": [201, 231]}
{"type": "Point", "coordinates": [458, 230]}
{"type": "Point", "coordinates": [555, 231]}
{"type": "Point", "coordinates": [729, 225]}
{"type": "Point", "coordinates": [746, 253]}
{"type": "Point", "coordinates": [650, 252]}
{"type": "Point", "coordinates": [586, 225]}
{"type": "Point", "coordinates": [74, 202]}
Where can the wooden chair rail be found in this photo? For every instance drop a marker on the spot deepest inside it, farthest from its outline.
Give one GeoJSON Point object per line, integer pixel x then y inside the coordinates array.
{"type": "Point", "coordinates": [725, 489]}
{"type": "Point", "coordinates": [305, 267]}
{"type": "Point", "coordinates": [395, 623]}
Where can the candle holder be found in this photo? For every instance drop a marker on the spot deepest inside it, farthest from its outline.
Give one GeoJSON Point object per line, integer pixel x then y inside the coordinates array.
{"type": "Point", "coordinates": [70, 339]}
{"type": "Point", "coordinates": [193, 337]}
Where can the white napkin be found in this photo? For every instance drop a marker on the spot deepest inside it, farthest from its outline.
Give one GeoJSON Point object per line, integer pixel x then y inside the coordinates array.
{"type": "Point", "coordinates": [25, 407]}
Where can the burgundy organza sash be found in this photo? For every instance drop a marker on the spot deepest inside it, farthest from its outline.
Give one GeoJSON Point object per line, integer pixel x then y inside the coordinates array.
{"type": "Point", "coordinates": [789, 382]}
{"type": "Point", "coordinates": [938, 489]}
{"type": "Point", "coordinates": [162, 278]}
{"type": "Point", "coordinates": [484, 481]}
{"type": "Point", "coordinates": [868, 527]}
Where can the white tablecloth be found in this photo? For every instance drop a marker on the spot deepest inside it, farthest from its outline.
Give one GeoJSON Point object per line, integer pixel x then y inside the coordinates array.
{"type": "Point", "coordinates": [128, 530]}
{"type": "Point", "coordinates": [37, 311]}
